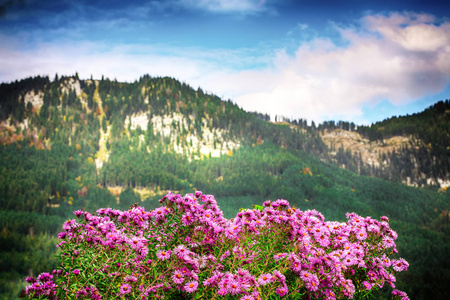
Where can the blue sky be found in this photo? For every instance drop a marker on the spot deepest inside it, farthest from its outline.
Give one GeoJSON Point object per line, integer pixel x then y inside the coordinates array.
{"type": "Point", "coordinates": [360, 61]}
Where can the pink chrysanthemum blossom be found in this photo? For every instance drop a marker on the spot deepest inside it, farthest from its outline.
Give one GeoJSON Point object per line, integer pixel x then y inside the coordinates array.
{"type": "Point", "coordinates": [44, 277]}
{"type": "Point", "coordinates": [313, 284]}
{"type": "Point", "coordinates": [388, 242]}
{"type": "Point", "coordinates": [323, 240]}
{"type": "Point", "coordinates": [225, 255]}
{"type": "Point", "coordinates": [318, 230]}
{"type": "Point", "coordinates": [329, 295]}
{"type": "Point", "coordinates": [341, 239]}
{"type": "Point", "coordinates": [187, 219]}
{"type": "Point", "coordinates": [142, 252]}
{"type": "Point", "coordinates": [125, 289]}
{"type": "Point", "coordinates": [181, 251]}
{"type": "Point", "coordinates": [361, 234]}
{"type": "Point", "coordinates": [191, 286]}
{"type": "Point", "coordinates": [30, 280]}
{"type": "Point", "coordinates": [222, 292]}
{"type": "Point", "coordinates": [349, 260]}
{"type": "Point", "coordinates": [367, 285]}
{"type": "Point", "coordinates": [361, 263]}
{"type": "Point", "coordinates": [79, 212]}
{"type": "Point", "coordinates": [210, 281]}
{"type": "Point", "coordinates": [233, 287]}
{"type": "Point", "coordinates": [163, 255]}
{"type": "Point", "coordinates": [282, 291]}
{"type": "Point", "coordinates": [281, 219]}
{"type": "Point", "coordinates": [311, 281]}
{"type": "Point", "coordinates": [400, 294]}
{"type": "Point", "coordinates": [136, 243]}
{"type": "Point", "coordinates": [130, 278]}
{"type": "Point", "coordinates": [373, 228]}
{"type": "Point", "coordinates": [112, 236]}
{"type": "Point", "coordinates": [296, 266]}
{"type": "Point", "coordinates": [385, 261]}
{"type": "Point", "coordinates": [265, 279]}
{"type": "Point", "coordinates": [177, 277]}
{"type": "Point", "coordinates": [393, 234]}
{"type": "Point", "coordinates": [69, 224]}
{"type": "Point", "coordinates": [372, 276]}
{"type": "Point", "coordinates": [208, 215]}
{"type": "Point", "coordinates": [279, 256]}
{"type": "Point", "coordinates": [281, 277]}
{"type": "Point", "coordinates": [400, 264]}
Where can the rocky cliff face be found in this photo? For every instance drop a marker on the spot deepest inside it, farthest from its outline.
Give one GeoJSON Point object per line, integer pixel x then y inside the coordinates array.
{"type": "Point", "coordinates": [371, 151]}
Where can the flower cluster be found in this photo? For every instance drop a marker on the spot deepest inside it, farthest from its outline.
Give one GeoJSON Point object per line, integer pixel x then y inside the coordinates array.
{"type": "Point", "coordinates": [187, 247]}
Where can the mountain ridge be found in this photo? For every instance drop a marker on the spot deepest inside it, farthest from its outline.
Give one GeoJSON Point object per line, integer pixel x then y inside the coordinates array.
{"type": "Point", "coordinates": [189, 120]}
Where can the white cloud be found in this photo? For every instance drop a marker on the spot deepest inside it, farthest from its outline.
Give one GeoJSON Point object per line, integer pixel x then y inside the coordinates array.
{"type": "Point", "coordinates": [414, 32]}
{"type": "Point", "coordinates": [399, 57]}
{"type": "Point", "coordinates": [226, 6]}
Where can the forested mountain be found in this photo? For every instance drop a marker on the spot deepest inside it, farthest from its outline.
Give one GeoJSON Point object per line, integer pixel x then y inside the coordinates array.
{"type": "Point", "coordinates": [413, 149]}
{"type": "Point", "coordinates": [69, 143]}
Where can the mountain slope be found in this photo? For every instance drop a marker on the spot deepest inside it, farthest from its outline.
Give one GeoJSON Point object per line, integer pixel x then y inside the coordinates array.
{"type": "Point", "coordinates": [411, 149]}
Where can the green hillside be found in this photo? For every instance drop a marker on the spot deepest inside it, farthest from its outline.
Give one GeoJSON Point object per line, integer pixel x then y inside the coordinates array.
{"type": "Point", "coordinates": [68, 144]}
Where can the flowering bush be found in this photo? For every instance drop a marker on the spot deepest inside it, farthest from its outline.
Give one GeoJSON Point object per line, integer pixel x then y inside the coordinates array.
{"type": "Point", "coordinates": [186, 249]}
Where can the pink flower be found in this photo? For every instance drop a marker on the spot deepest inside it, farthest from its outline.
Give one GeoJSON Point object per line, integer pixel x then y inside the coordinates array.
{"type": "Point", "coordinates": [280, 276]}
{"type": "Point", "coordinates": [233, 287]}
{"type": "Point", "coordinates": [265, 279]}
{"type": "Point", "coordinates": [296, 266]}
{"type": "Point", "coordinates": [181, 251]}
{"type": "Point", "coordinates": [388, 242]}
{"type": "Point", "coordinates": [76, 271]}
{"type": "Point", "coordinates": [349, 260]}
{"type": "Point", "coordinates": [177, 277]}
{"type": "Point", "coordinates": [136, 243]}
{"type": "Point", "coordinates": [306, 276]}
{"type": "Point", "coordinates": [373, 228]}
{"type": "Point", "coordinates": [163, 255]}
{"type": "Point", "coordinates": [68, 224]}
{"type": "Point", "coordinates": [311, 281]}
{"type": "Point", "coordinates": [323, 240]}
{"type": "Point", "coordinates": [367, 285]}
{"type": "Point", "coordinates": [30, 280]}
{"type": "Point", "coordinates": [225, 255]}
{"type": "Point", "coordinates": [44, 277]}
{"type": "Point", "coordinates": [210, 280]}
{"type": "Point", "coordinates": [330, 295]}
{"type": "Point", "coordinates": [187, 219]}
{"type": "Point", "coordinates": [279, 256]}
{"type": "Point", "coordinates": [191, 286]}
{"type": "Point", "coordinates": [361, 234]}
{"type": "Point", "coordinates": [125, 289]}
{"type": "Point", "coordinates": [222, 292]}
{"type": "Point", "coordinates": [282, 291]}
{"type": "Point", "coordinates": [400, 264]}
{"type": "Point", "coordinates": [400, 294]}
{"type": "Point", "coordinates": [130, 278]}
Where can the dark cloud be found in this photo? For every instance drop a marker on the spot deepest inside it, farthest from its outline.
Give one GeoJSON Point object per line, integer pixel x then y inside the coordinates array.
{"type": "Point", "coordinates": [6, 6]}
